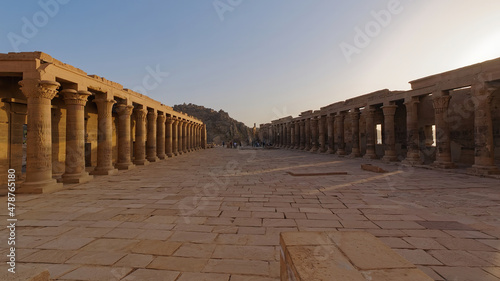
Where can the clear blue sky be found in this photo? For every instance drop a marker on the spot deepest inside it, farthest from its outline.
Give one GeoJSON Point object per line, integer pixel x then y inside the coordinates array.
{"type": "Point", "coordinates": [258, 59]}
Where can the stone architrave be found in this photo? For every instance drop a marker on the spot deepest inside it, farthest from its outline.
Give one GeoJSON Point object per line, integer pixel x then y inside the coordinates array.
{"type": "Point", "coordinates": [484, 146]}
{"type": "Point", "coordinates": [74, 171]}
{"type": "Point", "coordinates": [441, 101]}
{"type": "Point", "coordinates": [105, 137]}
{"type": "Point", "coordinates": [413, 153]}
{"type": "Point", "coordinates": [124, 145]}
{"type": "Point", "coordinates": [331, 141]}
{"type": "Point", "coordinates": [168, 137]}
{"type": "Point", "coordinates": [369, 114]}
{"type": "Point", "coordinates": [140, 137]}
{"type": "Point", "coordinates": [339, 133]}
{"type": "Point", "coordinates": [390, 135]}
{"type": "Point", "coordinates": [160, 136]}
{"type": "Point", "coordinates": [39, 137]}
{"type": "Point", "coordinates": [354, 116]}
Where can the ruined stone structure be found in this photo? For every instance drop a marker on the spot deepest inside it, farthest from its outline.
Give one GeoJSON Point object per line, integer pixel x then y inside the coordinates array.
{"type": "Point", "coordinates": [447, 120]}
{"type": "Point", "coordinates": [66, 123]}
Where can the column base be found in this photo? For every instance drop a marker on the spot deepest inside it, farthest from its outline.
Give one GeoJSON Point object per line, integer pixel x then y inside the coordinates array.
{"type": "Point", "coordinates": [142, 162]}
{"type": "Point", "coordinates": [48, 186]}
{"type": "Point", "coordinates": [483, 170]}
{"type": "Point", "coordinates": [153, 159]}
{"type": "Point", "coordinates": [411, 161]}
{"type": "Point", "coordinates": [322, 150]}
{"type": "Point", "coordinates": [170, 155]}
{"type": "Point", "coordinates": [314, 150]}
{"type": "Point", "coordinates": [82, 177]}
{"type": "Point", "coordinates": [340, 152]}
{"type": "Point", "coordinates": [124, 166]}
{"type": "Point", "coordinates": [162, 156]}
{"type": "Point", "coordinates": [175, 153]}
{"type": "Point", "coordinates": [302, 147]}
{"type": "Point", "coordinates": [354, 153]}
{"type": "Point", "coordinates": [370, 155]}
{"type": "Point", "coordinates": [185, 151]}
{"type": "Point", "coordinates": [389, 158]}
{"type": "Point", "coordinates": [104, 171]}
{"type": "Point", "coordinates": [180, 152]}
{"type": "Point", "coordinates": [443, 165]}
{"type": "Point", "coordinates": [330, 151]}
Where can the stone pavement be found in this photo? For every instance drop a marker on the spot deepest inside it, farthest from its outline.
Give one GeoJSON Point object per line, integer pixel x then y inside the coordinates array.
{"type": "Point", "coordinates": [217, 214]}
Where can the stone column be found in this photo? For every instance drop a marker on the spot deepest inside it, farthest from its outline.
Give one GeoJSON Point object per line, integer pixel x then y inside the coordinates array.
{"type": "Point", "coordinates": [39, 136]}
{"type": "Point", "coordinates": [187, 137]}
{"type": "Point", "coordinates": [184, 137]}
{"type": "Point", "coordinates": [302, 126]}
{"type": "Point", "coordinates": [191, 137]}
{"type": "Point", "coordinates": [140, 137]}
{"type": "Point", "coordinates": [289, 134]}
{"type": "Point", "coordinates": [354, 115]}
{"type": "Point", "coordinates": [160, 136]}
{"type": "Point", "coordinates": [283, 135]}
{"type": "Point", "coordinates": [441, 100]}
{"type": "Point", "coordinates": [413, 153]}
{"type": "Point", "coordinates": [307, 146]}
{"type": "Point", "coordinates": [75, 136]}
{"type": "Point", "coordinates": [180, 134]}
{"type": "Point", "coordinates": [151, 136]}
{"type": "Point", "coordinates": [331, 140]}
{"type": "Point", "coordinates": [124, 160]}
{"type": "Point", "coordinates": [104, 137]}
{"type": "Point", "coordinates": [168, 137]}
{"type": "Point", "coordinates": [204, 136]}
{"type": "Point", "coordinates": [339, 133]}
{"type": "Point", "coordinates": [297, 134]}
{"type": "Point", "coordinates": [389, 133]}
{"type": "Point", "coordinates": [314, 134]}
{"type": "Point", "coordinates": [322, 135]}
{"type": "Point", "coordinates": [369, 113]}
{"type": "Point", "coordinates": [175, 136]}
{"type": "Point", "coordinates": [484, 154]}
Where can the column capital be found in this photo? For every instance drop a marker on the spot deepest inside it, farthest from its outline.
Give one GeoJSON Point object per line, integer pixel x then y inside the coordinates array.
{"type": "Point", "coordinates": [161, 117]}
{"type": "Point", "coordinates": [485, 89]}
{"type": "Point", "coordinates": [354, 113]}
{"type": "Point", "coordinates": [104, 106]}
{"type": "Point", "coordinates": [440, 103]}
{"type": "Point", "coordinates": [124, 110]}
{"type": "Point", "coordinates": [34, 88]}
{"type": "Point", "coordinates": [75, 97]}
{"type": "Point", "coordinates": [152, 114]}
{"type": "Point", "coordinates": [412, 100]}
{"type": "Point", "coordinates": [389, 110]}
{"type": "Point", "coordinates": [141, 114]}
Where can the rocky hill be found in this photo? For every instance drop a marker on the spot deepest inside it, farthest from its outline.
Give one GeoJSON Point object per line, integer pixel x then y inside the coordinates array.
{"type": "Point", "coordinates": [220, 126]}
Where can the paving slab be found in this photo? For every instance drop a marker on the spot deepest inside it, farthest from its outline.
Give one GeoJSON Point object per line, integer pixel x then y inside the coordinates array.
{"type": "Point", "coordinates": [164, 214]}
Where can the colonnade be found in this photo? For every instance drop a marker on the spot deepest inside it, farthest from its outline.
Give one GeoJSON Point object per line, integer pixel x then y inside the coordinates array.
{"type": "Point", "coordinates": [130, 129]}
{"type": "Point", "coordinates": [446, 121]}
